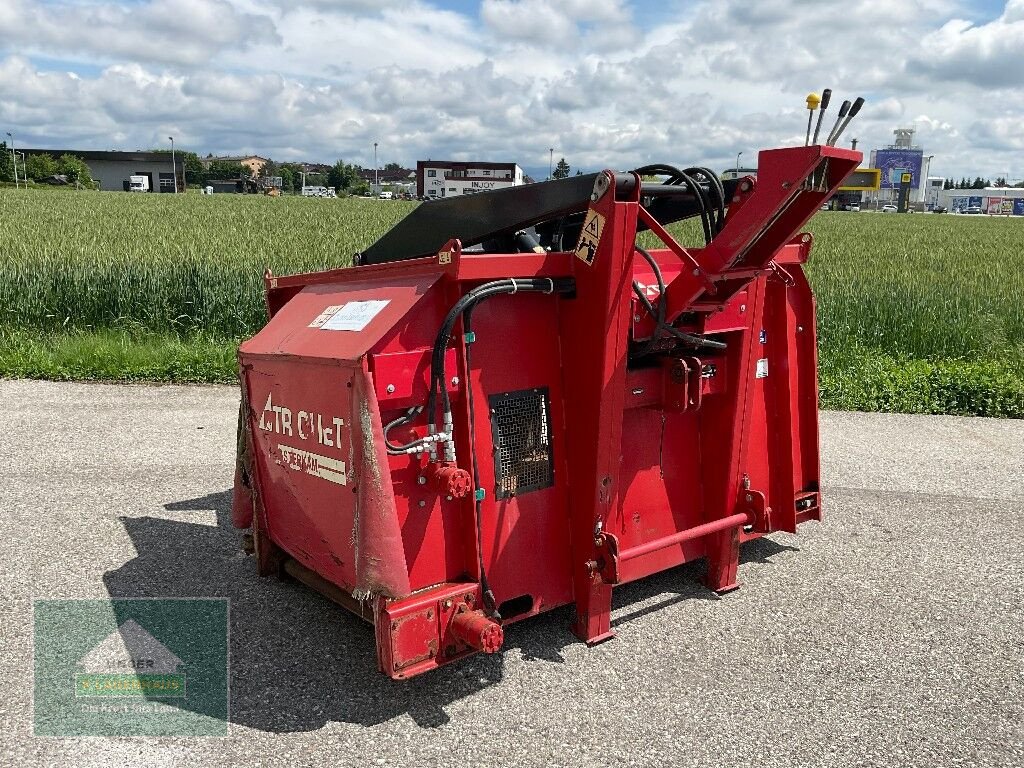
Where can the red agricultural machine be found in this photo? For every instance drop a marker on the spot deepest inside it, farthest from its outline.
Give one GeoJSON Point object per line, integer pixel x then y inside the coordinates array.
{"type": "Point", "coordinates": [509, 405]}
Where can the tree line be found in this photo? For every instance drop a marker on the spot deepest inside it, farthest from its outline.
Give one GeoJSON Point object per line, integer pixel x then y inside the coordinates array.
{"type": "Point", "coordinates": [38, 167]}
{"type": "Point", "coordinates": [978, 183]}
{"type": "Point", "coordinates": [342, 176]}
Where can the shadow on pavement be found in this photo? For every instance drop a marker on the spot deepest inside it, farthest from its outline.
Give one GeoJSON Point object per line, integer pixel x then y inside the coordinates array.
{"type": "Point", "coordinates": [298, 661]}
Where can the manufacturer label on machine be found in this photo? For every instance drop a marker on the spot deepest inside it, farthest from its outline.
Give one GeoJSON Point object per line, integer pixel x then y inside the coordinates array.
{"type": "Point", "coordinates": [313, 464]}
{"type": "Point", "coordinates": [354, 316]}
{"type": "Point", "coordinates": [315, 429]}
{"type": "Point", "coordinates": [590, 236]}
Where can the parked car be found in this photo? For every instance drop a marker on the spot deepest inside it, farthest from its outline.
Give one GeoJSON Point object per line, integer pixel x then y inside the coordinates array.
{"type": "Point", "coordinates": [889, 208]}
{"type": "Point", "coordinates": [939, 209]}
{"type": "Point", "coordinates": [853, 207]}
{"type": "Point", "coordinates": [385, 195]}
{"type": "Point", "coordinates": [975, 209]}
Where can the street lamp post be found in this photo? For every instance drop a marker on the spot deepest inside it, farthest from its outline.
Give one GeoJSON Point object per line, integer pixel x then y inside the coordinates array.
{"type": "Point", "coordinates": [376, 176]}
{"type": "Point", "coordinates": [551, 160]}
{"type": "Point", "coordinates": [738, 163]}
{"type": "Point", "coordinates": [174, 166]}
{"type": "Point", "coordinates": [14, 157]}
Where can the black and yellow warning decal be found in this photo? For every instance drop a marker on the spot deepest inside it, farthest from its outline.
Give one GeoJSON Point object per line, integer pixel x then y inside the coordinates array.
{"type": "Point", "coordinates": [590, 236]}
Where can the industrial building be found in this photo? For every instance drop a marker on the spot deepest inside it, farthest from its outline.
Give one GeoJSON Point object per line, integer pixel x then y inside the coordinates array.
{"type": "Point", "coordinates": [397, 180]}
{"type": "Point", "coordinates": [995, 201]}
{"type": "Point", "coordinates": [450, 178]}
{"type": "Point", "coordinates": [111, 169]}
{"type": "Point", "coordinates": [902, 156]}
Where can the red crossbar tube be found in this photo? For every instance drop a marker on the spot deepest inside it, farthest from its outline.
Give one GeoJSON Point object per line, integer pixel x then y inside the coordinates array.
{"type": "Point", "coordinates": [705, 529]}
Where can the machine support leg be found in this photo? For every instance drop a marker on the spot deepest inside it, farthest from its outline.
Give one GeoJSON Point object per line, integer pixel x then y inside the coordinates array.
{"type": "Point", "coordinates": [723, 556]}
{"type": "Point", "coordinates": [269, 558]}
{"type": "Point", "coordinates": [594, 615]}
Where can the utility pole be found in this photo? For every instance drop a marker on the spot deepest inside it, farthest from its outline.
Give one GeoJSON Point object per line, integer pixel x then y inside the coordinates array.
{"type": "Point", "coordinates": [14, 157]}
{"type": "Point", "coordinates": [174, 166]}
{"type": "Point", "coordinates": [376, 177]}
{"type": "Point", "coordinates": [738, 164]}
{"type": "Point", "coordinates": [551, 161]}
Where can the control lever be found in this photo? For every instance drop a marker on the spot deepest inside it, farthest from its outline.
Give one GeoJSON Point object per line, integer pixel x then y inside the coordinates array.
{"type": "Point", "coordinates": [853, 111]}
{"type": "Point", "coordinates": [812, 104]}
{"type": "Point", "coordinates": [842, 113]}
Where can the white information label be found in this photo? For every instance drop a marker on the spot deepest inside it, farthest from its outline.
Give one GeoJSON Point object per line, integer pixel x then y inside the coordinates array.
{"type": "Point", "coordinates": [354, 316]}
{"type": "Point", "coordinates": [762, 368]}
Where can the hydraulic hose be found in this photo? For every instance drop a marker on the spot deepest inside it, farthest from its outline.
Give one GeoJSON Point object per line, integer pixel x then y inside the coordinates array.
{"type": "Point", "coordinates": [658, 313]}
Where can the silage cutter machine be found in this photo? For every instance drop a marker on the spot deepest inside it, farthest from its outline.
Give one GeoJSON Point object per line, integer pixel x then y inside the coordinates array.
{"type": "Point", "coordinates": [509, 405]}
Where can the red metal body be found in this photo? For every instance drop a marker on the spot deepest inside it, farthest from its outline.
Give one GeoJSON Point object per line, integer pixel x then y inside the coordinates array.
{"type": "Point", "coordinates": [646, 467]}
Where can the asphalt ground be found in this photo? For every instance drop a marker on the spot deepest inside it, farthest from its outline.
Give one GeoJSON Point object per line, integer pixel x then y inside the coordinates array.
{"type": "Point", "coordinates": [890, 634]}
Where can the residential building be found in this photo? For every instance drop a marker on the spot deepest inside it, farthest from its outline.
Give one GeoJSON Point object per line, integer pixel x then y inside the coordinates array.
{"type": "Point", "coordinates": [450, 178]}
{"type": "Point", "coordinates": [254, 163]}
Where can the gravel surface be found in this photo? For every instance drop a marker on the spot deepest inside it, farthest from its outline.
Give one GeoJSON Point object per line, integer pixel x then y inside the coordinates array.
{"type": "Point", "coordinates": [891, 634]}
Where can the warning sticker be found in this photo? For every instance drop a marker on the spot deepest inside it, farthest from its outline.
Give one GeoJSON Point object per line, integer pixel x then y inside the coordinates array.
{"type": "Point", "coordinates": [353, 316]}
{"type": "Point", "coordinates": [762, 368]}
{"type": "Point", "coordinates": [325, 315]}
{"type": "Point", "coordinates": [590, 236]}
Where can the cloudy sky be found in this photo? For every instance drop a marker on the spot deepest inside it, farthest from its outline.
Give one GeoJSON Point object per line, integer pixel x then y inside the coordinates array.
{"type": "Point", "coordinates": [606, 83]}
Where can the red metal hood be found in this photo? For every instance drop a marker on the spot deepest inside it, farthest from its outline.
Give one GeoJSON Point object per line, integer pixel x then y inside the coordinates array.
{"type": "Point", "coordinates": [325, 321]}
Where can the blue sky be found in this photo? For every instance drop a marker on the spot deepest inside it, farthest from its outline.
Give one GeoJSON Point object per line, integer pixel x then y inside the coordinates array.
{"type": "Point", "coordinates": [605, 82]}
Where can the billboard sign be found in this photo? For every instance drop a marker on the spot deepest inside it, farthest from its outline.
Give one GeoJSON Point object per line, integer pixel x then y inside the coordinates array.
{"type": "Point", "coordinates": [893, 163]}
{"type": "Point", "coordinates": [974, 202]}
{"type": "Point", "coordinates": [1018, 206]}
{"type": "Point", "coordinates": [958, 204]}
{"type": "Point", "coordinates": [861, 180]}
{"type": "Point", "coordinates": [995, 206]}
{"type": "Point", "coordinates": [1007, 208]}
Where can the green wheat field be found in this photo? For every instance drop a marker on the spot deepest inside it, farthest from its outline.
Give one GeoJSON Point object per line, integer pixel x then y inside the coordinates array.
{"type": "Point", "coordinates": [920, 314]}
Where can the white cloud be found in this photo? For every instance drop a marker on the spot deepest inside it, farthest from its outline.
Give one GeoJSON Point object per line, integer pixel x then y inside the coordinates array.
{"type": "Point", "coordinates": [187, 32]}
{"type": "Point", "coordinates": [988, 55]}
{"type": "Point", "coordinates": [322, 79]}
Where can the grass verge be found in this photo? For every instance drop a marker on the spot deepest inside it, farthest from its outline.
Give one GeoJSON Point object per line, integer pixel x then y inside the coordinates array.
{"type": "Point", "coordinates": [871, 380]}
{"type": "Point", "coordinates": [858, 380]}
{"type": "Point", "coordinates": [113, 355]}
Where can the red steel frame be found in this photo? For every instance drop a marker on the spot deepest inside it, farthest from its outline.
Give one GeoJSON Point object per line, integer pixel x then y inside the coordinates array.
{"type": "Point", "coordinates": [654, 466]}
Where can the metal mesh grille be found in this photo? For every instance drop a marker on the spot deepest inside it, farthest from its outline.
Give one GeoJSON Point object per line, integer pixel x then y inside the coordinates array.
{"type": "Point", "coordinates": [521, 428]}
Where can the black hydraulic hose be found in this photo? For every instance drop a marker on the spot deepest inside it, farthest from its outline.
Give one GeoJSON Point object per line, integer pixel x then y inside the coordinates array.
{"type": "Point", "coordinates": [508, 285]}
{"type": "Point", "coordinates": [694, 340]}
{"type": "Point", "coordinates": [464, 307]}
{"type": "Point", "coordinates": [678, 177]}
{"type": "Point", "coordinates": [701, 194]}
{"type": "Point", "coordinates": [659, 316]}
{"type": "Point", "coordinates": [658, 313]}
{"type": "Point", "coordinates": [444, 334]}
{"type": "Point", "coordinates": [490, 604]}
{"type": "Point", "coordinates": [405, 418]}
{"type": "Point", "coordinates": [714, 183]}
